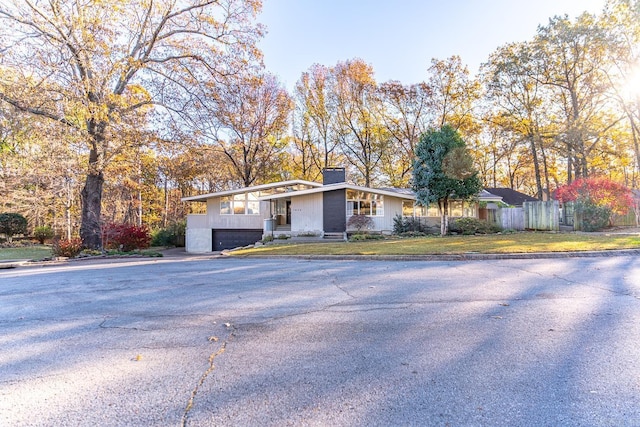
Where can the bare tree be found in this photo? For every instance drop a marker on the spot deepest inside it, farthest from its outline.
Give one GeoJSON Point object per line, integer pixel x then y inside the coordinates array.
{"type": "Point", "coordinates": [246, 118]}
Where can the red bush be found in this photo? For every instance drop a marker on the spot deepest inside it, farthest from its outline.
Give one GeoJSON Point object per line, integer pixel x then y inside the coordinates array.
{"type": "Point", "coordinates": [125, 237]}
{"type": "Point", "coordinates": [67, 248]}
{"type": "Point", "coordinates": [598, 191]}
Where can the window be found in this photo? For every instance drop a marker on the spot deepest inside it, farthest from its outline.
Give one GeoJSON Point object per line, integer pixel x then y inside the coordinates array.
{"type": "Point", "coordinates": [410, 209]}
{"type": "Point", "coordinates": [253, 205]}
{"type": "Point", "coordinates": [362, 203]}
{"type": "Point", "coordinates": [225, 206]}
{"type": "Point", "coordinates": [407, 208]}
{"type": "Point", "coordinates": [455, 207]}
{"type": "Point", "coordinates": [469, 210]}
{"type": "Point", "coordinates": [240, 204]}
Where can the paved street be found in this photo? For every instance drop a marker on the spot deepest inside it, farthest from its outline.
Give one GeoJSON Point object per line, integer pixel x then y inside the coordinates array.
{"type": "Point", "coordinates": [236, 342]}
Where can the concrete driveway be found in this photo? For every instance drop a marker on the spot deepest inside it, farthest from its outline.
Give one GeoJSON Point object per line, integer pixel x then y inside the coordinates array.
{"type": "Point", "coordinates": [236, 342]}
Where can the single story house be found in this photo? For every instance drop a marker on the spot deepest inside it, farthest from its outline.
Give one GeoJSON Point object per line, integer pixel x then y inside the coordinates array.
{"type": "Point", "coordinates": [298, 208]}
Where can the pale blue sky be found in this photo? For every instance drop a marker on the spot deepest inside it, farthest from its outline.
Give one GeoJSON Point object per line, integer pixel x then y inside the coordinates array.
{"type": "Point", "coordinates": [399, 38]}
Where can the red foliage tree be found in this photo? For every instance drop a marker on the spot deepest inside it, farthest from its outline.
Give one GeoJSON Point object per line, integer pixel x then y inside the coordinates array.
{"type": "Point", "coordinates": [598, 191]}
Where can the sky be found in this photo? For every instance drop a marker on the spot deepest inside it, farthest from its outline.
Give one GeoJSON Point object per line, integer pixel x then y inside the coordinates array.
{"type": "Point", "coordinates": [399, 38]}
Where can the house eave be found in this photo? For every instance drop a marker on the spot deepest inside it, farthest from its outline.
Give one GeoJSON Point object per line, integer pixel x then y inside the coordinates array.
{"type": "Point", "coordinates": [204, 197]}
{"type": "Point", "coordinates": [339, 186]}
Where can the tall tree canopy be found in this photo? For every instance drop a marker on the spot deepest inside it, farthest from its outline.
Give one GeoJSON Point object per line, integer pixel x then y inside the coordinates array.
{"type": "Point", "coordinates": [362, 135]}
{"type": "Point", "coordinates": [443, 170]}
{"type": "Point", "coordinates": [115, 110]}
{"type": "Point", "coordinates": [250, 117]}
{"type": "Point", "coordinates": [96, 66]}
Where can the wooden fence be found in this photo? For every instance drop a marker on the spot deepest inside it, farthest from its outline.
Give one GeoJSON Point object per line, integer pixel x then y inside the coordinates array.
{"type": "Point", "coordinates": [544, 216]}
{"type": "Point", "coordinates": [510, 218]}
{"type": "Point", "coordinates": [628, 220]}
{"type": "Point", "coordinates": [571, 217]}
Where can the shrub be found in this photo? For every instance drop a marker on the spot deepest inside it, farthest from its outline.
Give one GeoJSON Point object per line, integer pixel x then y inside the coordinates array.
{"type": "Point", "coordinates": [358, 237]}
{"type": "Point", "coordinates": [360, 222]}
{"type": "Point", "coordinates": [169, 236]}
{"type": "Point", "coordinates": [403, 225]}
{"type": "Point", "coordinates": [365, 236]}
{"type": "Point", "coordinates": [43, 233]}
{"type": "Point", "coordinates": [12, 224]}
{"type": "Point", "coordinates": [125, 237]}
{"type": "Point", "coordinates": [67, 248]}
{"type": "Point", "coordinates": [594, 218]}
{"type": "Point", "coordinates": [162, 237]}
{"type": "Point", "coordinates": [469, 226]}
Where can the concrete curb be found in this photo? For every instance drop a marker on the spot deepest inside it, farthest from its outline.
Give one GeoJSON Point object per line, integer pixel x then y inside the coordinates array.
{"type": "Point", "coordinates": [429, 257]}
{"type": "Point", "coordinates": [453, 257]}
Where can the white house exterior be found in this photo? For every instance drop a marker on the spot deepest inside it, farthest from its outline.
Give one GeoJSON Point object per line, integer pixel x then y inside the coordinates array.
{"type": "Point", "coordinates": [235, 216]}
{"type": "Point", "coordinates": [300, 208]}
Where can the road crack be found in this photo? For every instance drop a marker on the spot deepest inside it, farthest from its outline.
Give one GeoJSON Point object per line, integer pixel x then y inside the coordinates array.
{"type": "Point", "coordinates": [203, 378]}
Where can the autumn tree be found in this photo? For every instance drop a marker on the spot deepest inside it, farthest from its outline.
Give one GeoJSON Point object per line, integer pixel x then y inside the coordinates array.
{"type": "Point", "coordinates": [39, 170]}
{"type": "Point", "coordinates": [314, 122]}
{"type": "Point", "coordinates": [454, 94]}
{"type": "Point", "coordinates": [245, 119]}
{"type": "Point", "coordinates": [621, 20]}
{"type": "Point", "coordinates": [517, 102]}
{"type": "Point", "coordinates": [404, 112]}
{"type": "Point", "coordinates": [570, 57]}
{"type": "Point", "coordinates": [362, 134]}
{"type": "Point", "coordinates": [443, 170]}
{"type": "Point", "coordinates": [95, 66]}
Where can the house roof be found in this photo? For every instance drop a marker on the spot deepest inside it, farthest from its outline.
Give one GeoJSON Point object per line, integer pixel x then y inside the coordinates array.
{"type": "Point", "coordinates": [402, 193]}
{"type": "Point", "coordinates": [262, 187]}
{"type": "Point", "coordinates": [511, 197]}
{"type": "Point", "coordinates": [398, 192]}
{"type": "Point", "coordinates": [485, 196]}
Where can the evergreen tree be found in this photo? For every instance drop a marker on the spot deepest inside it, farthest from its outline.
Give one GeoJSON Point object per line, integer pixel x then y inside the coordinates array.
{"type": "Point", "coordinates": [443, 170]}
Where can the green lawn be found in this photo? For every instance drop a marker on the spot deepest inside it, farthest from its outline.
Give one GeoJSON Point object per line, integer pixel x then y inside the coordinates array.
{"type": "Point", "coordinates": [27, 252]}
{"type": "Point", "coordinates": [453, 245]}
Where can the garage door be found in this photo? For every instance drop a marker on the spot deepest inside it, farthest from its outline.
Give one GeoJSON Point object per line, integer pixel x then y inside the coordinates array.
{"type": "Point", "coordinates": [229, 239]}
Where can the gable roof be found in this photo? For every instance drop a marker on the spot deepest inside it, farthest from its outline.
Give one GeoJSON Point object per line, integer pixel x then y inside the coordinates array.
{"type": "Point", "coordinates": [512, 197]}
{"type": "Point", "coordinates": [262, 187]}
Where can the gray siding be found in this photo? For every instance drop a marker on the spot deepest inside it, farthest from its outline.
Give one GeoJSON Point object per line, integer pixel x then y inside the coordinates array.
{"type": "Point", "coordinates": [334, 211]}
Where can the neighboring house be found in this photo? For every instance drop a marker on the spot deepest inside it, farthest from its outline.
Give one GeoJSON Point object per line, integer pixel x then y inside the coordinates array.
{"type": "Point", "coordinates": [511, 197]}
{"type": "Point", "coordinates": [301, 208]}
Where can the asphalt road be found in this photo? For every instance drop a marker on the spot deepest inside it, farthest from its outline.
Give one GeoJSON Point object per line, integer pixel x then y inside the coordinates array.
{"type": "Point", "coordinates": [235, 342]}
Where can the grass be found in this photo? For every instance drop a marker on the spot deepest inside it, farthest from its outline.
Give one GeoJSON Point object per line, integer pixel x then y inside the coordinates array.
{"type": "Point", "coordinates": [36, 252]}
{"type": "Point", "coordinates": [453, 245]}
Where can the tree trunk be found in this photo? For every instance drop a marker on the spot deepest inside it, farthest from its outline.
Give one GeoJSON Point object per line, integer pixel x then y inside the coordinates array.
{"type": "Point", "coordinates": [443, 205]}
{"type": "Point", "coordinates": [165, 216]}
{"type": "Point", "coordinates": [536, 165]}
{"type": "Point", "coordinates": [90, 230]}
{"type": "Point", "coordinates": [91, 227]}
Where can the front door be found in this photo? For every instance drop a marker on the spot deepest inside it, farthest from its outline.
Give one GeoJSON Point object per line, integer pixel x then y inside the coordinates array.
{"type": "Point", "coordinates": [288, 212]}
